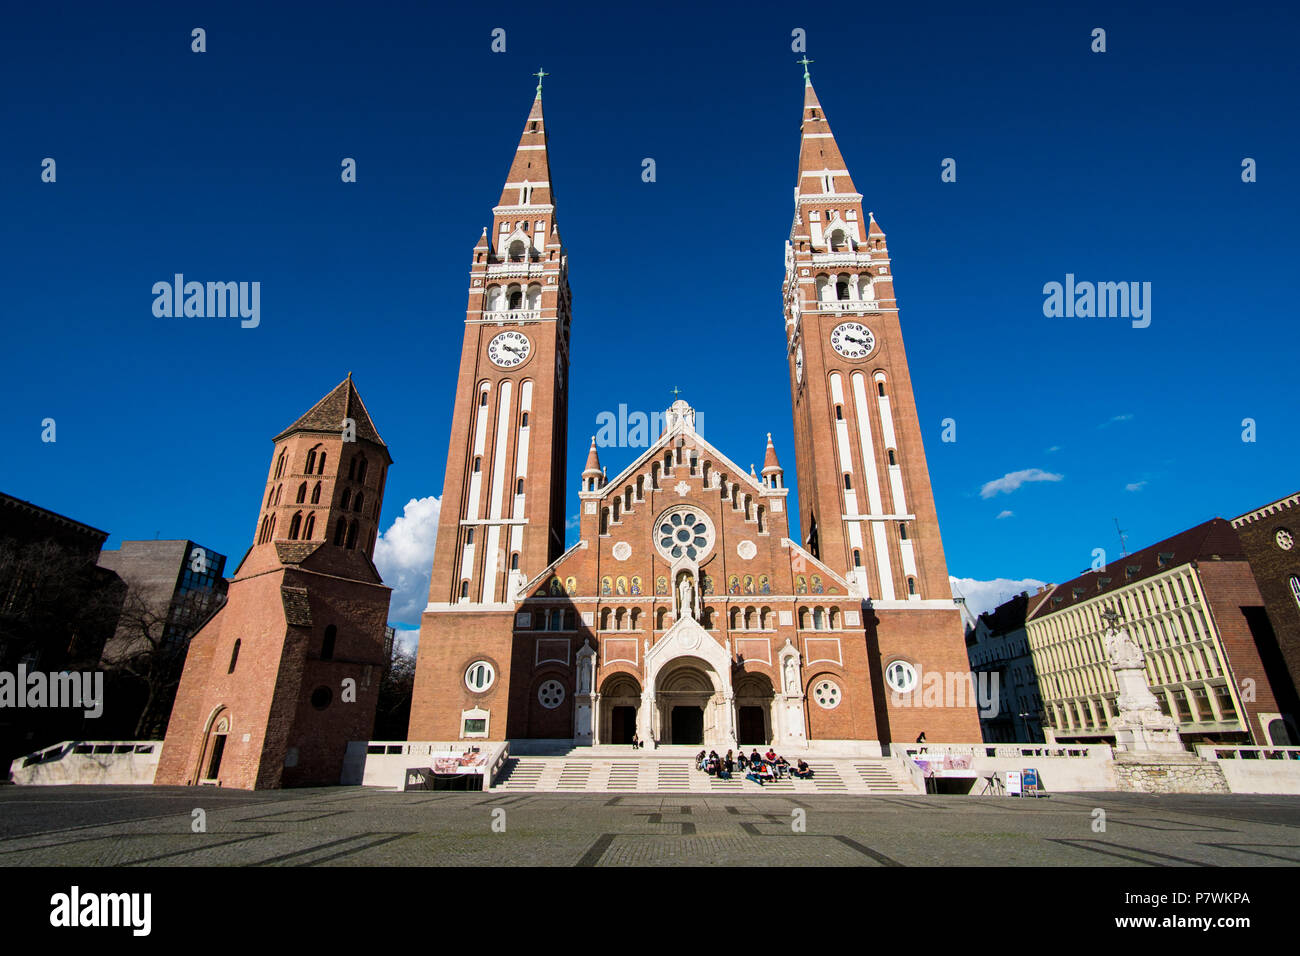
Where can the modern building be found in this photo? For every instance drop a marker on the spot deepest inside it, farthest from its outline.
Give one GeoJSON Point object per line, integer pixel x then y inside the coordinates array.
{"type": "Point", "coordinates": [173, 587]}
{"type": "Point", "coordinates": [687, 612]}
{"type": "Point", "coordinates": [287, 672]}
{"type": "Point", "coordinates": [57, 611]}
{"type": "Point", "coordinates": [998, 644]}
{"type": "Point", "coordinates": [1269, 536]}
{"type": "Point", "coordinates": [1192, 605]}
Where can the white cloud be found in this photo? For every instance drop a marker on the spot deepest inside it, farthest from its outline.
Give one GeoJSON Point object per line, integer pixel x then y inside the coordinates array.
{"type": "Point", "coordinates": [1116, 419]}
{"type": "Point", "coordinates": [404, 557]}
{"type": "Point", "coordinates": [1006, 514]}
{"type": "Point", "coordinates": [1054, 448]}
{"type": "Point", "coordinates": [984, 596]}
{"type": "Point", "coordinates": [1135, 486]}
{"type": "Point", "coordinates": [1013, 480]}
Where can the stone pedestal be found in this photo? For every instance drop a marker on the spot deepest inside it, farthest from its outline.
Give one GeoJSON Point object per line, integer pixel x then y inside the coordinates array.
{"type": "Point", "coordinates": [1168, 773]}
{"type": "Point", "coordinates": [1140, 726]}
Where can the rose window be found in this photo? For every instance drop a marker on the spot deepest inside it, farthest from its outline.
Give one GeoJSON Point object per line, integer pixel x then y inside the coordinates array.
{"type": "Point", "coordinates": [827, 694]}
{"type": "Point", "coordinates": [551, 694]}
{"type": "Point", "coordinates": [684, 533]}
{"type": "Point", "coordinates": [1284, 539]}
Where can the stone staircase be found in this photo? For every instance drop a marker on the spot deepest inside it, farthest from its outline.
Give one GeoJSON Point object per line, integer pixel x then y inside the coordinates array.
{"type": "Point", "coordinates": [624, 771]}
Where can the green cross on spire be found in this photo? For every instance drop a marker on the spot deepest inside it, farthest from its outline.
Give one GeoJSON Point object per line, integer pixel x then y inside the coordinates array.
{"type": "Point", "coordinates": [805, 61]}
{"type": "Point", "coordinates": [539, 74]}
{"type": "Point", "coordinates": [675, 390]}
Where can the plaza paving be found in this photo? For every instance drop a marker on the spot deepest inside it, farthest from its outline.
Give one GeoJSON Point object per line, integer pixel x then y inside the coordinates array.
{"type": "Point", "coordinates": [346, 826]}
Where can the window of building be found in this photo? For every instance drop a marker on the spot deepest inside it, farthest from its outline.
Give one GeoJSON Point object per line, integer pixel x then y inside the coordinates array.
{"type": "Point", "coordinates": [321, 697]}
{"type": "Point", "coordinates": [234, 656]}
{"type": "Point", "coordinates": [327, 643]}
{"type": "Point", "coordinates": [478, 464]}
{"type": "Point", "coordinates": [900, 676]}
{"type": "Point", "coordinates": [827, 694]}
{"type": "Point", "coordinates": [848, 483]}
{"type": "Point", "coordinates": [880, 388]}
{"type": "Point", "coordinates": [551, 694]}
{"type": "Point", "coordinates": [480, 676]}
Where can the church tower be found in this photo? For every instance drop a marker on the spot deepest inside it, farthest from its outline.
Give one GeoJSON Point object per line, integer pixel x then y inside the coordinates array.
{"type": "Point", "coordinates": [502, 518]}
{"type": "Point", "coordinates": [865, 504]}
{"type": "Point", "coordinates": [286, 673]}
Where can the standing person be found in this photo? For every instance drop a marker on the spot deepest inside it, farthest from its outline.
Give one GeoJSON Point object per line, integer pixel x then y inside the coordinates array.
{"type": "Point", "coordinates": [636, 740]}
{"type": "Point", "coordinates": [920, 739]}
{"type": "Point", "coordinates": [728, 764]}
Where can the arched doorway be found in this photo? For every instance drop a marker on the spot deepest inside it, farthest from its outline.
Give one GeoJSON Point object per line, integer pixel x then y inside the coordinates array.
{"type": "Point", "coordinates": [754, 717]}
{"type": "Point", "coordinates": [214, 746]}
{"type": "Point", "coordinates": [620, 702]}
{"type": "Point", "coordinates": [688, 700]}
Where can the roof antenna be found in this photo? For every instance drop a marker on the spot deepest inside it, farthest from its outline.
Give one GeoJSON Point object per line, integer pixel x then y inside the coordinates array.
{"type": "Point", "coordinates": [1123, 540]}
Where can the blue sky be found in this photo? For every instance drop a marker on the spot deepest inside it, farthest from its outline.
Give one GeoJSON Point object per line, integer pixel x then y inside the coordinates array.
{"type": "Point", "coordinates": [1121, 166]}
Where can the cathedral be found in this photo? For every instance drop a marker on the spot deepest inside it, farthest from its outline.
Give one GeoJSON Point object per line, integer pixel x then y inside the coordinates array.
{"type": "Point", "coordinates": [686, 612]}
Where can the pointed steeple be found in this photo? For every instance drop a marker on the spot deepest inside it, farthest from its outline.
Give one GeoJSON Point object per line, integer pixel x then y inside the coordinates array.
{"type": "Point", "coordinates": [820, 162]}
{"type": "Point", "coordinates": [770, 464]}
{"type": "Point", "coordinates": [327, 416]}
{"type": "Point", "coordinates": [592, 469]}
{"type": "Point", "coordinates": [529, 181]}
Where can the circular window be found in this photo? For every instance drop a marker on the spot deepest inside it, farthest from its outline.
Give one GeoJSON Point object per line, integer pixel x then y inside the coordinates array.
{"type": "Point", "coordinates": [321, 697]}
{"type": "Point", "coordinates": [480, 676]}
{"type": "Point", "coordinates": [901, 676]}
{"type": "Point", "coordinates": [1284, 539]}
{"type": "Point", "coordinates": [684, 533]}
{"type": "Point", "coordinates": [827, 694]}
{"type": "Point", "coordinates": [551, 694]}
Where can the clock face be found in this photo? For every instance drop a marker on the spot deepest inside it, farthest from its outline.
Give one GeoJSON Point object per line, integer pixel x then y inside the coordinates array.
{"type": "Point", "coordinates": [853, 340]}
{"type": "Point", "coordinates": [798, 365]}
{"type": "Point", "coordinates": [508, 349]}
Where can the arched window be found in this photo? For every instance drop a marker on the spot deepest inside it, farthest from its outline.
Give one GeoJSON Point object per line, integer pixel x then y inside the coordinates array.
{"type": "Point", "coordinates": [361, 469]}
{"type": "Point", "coordinates": [327, 643]}
{"type": "Point", "coordinates": [469, 535]}
{"type": "Point", "coordinates": [340, 531]}
{"type": "Point", "coordinates": [516, 255]}
{"type": "Point", "coordinates": [310, 527]}
{"type": "Point", "coordinates": [311, 462]}
{"type": "Point", "coordinates": [902, 531]}
{"type": "Point", "coordinates": [514, 561]}
{"type": "Point", "coordinates": [604, 619]}
{"type": "Point", "coordinates": [839, 413]}
{"type": "Point", "coordinates": [661, 616]}
{"type": "Point", "coordinates": [836, 237]}
{"type": "Point", "coordinates": [857, 558]}
{"type": "Point", "coordinates": [911, 585]}
{"type": "Point", "coordinates": [315, 494]}
{"type": "Point", "coordinates": [234, 656]}
{"type": "Point", "coordinates": [1295, 588]}
{"type": "Point", "coordinates": [523, 422]}
{"type": "Point", "coordinates": [346, 500]}
{"type": "Point", "coordinates": [261, 531]}
{"type": "Point", "coordinates": [320, 466]}
{"type": "Point", "coordinates": [279, 465]}
{"type": "Point", "coordinates": [604, 521]}
{"type": "Point", "coordinates": [762, 522]}
{"type": "Point", "coordinates": [841, 284]}
{"type": "Point", "coordinates": [278, 489]}
{"type": "Point", "coordinates": [482, 399]}
{"type": "Point", "coordinates": [302, 493]}
{"type": "Point", "coordinates": [880, 388]}
{"type": "Point", "coordinates": [295, 525]}
{"type": "Point", "coordinates": [519, 486]}
{"type": "Point", "coordinates": [893, 459]}
{"type": "Point", "coordinates": [361, 497]}
{"type": "Point", "coordinates": [848, 483]}
{"type": "Point", "coordinates": [464, 590]}
{"type": "Point", "coordinates": [835, 618]}
{"type": "Point", "coordinates": [819, 619]}
{"type": "Point", "coordinates": [493, 298]}
{"type": "Point", "coordinates": [534, 296]}
{"type": "Point", "coordinates": [478, 464]}
{"type": "Point", "coordinates": [270, 495]}
{"type": "Point", "coordinates": [352, 536]}
{"type": "Point", "coordinates": [271, 535]}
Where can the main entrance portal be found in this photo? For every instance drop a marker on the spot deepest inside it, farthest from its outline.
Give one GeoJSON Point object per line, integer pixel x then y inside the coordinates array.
{"type": "Point", "coordinates": [622, 725]}
{"type": "Point", "coordinates": [688, 725]}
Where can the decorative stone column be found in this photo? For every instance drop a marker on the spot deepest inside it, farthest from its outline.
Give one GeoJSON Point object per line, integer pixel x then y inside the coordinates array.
{"type": "Point", "coordinates": [790, 729]}
{"type": "Point", "coordinates": [1140, 725]}
{"type": "Point", "coordinates": [585, 699]}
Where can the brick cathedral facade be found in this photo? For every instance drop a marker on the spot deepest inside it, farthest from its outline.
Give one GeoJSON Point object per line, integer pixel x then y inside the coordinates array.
{"type": "Point", "coordinates": [686, 612]}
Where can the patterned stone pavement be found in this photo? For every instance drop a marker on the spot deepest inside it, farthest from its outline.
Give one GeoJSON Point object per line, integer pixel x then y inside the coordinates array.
{"type": "Point", "coordinates": [126, 826]}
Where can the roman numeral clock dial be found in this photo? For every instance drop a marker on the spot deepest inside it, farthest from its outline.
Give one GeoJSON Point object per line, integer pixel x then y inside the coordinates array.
{"type": "Point", "coordinates": [853, 340]}
{"type": "Point", "coordinates": [508, 349]}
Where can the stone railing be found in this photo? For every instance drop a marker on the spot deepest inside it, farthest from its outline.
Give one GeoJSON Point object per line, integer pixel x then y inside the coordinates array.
{"type": "Point", "coordinates": [512, 315]}
{"type": "Point", "coordinates": [1076, 751]}
{"type": "Point", "coordinates": [1216, 752]}
{"type": "Point", "coordinates": [847, 305]}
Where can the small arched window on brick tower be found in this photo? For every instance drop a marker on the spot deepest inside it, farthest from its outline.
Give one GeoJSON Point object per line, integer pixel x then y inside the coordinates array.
{"type": "Point", "coordinates": [848, 483]}
{"type": "Point", "coordinates": [902, 531]}
{"type": "Point", "coordinates": [309, 528]}
{"type": "Point", "coordinates": [361, 469]}
{"type": "Point", "coordinates": [320, 466]}
{"type": "Point", "coordinates": [519, 487]}
{"type": "Point", "coordinates": [880, 387]}
{"type": "Point", "coordinates": [911, 585]}
{"type": "Point", "coordinates": [234, 656]}
{"type": "Point", "coordinates": [361, 497]}
{"type": "Point", "coordinates": [523, 421]}
{"type": "Point", "coordinates": [315, 494]}
{"type": "Point", "coordinates": [839, 413]}
{"type": "Point", "coordinates": [279, 465]}
{"type": "Point", "coordinates": [464, 590]}
{"type": "Point", "coordinates": [893, 459]}
{"type": "Point", "coordinates": [302, 493]}
{"type": "Point", "coordinates": [327, 643]}
{"type": "Point", "coordinates": [352, 536]}
{"type": "Point", "coordinates": [857, 558]}
{"type": "Point", "coordinates": [340, 531]}
{"type": "Point", "coordinates": [469, 535]}
{"type": "Point", "coordinates": [346, 501]}
{"type": "Point", "coordinates": [271, 535]}
{"type": "Point", "coordinates": [311, 462]}
{"type": "Point", "coordinates": [478, 465]}
{"type": "Point", "coordinates": [295, 525]}
{"type": "Point", "coordinates": [514, 561]}
{"type": "Point", "coordinates": [841, 282]}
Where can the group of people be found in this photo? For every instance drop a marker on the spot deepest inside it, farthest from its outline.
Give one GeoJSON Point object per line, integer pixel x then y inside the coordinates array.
{"type": "Point", "coordinates": [760, 768]}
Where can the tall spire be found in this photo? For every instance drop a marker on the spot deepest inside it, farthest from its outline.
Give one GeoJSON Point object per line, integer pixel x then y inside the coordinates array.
{"type": "Point", "coordinates": [592, 470]}
{"type": "Point", "coordinates": [822, 169]}
{"type": "Point", "coordinates": [529, 181]}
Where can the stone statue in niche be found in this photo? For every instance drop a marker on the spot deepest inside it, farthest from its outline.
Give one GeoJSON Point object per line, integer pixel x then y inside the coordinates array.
{"type": "Point", "coordinates": [584, 675]}
{"type": "Point", "coordinates": [791, 676]}
{"type": "Point", "coordinates": [685, 598]}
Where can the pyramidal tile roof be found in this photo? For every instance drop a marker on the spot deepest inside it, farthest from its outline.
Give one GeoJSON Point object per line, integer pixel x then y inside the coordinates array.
{"type": "Point", "coordinates": [328, 414]}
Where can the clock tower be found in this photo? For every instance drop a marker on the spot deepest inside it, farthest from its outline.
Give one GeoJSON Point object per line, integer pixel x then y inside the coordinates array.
{"type": "Point", "coordinates": [502, 517]}
{"type": "Point", "coordinates": [866, 508]}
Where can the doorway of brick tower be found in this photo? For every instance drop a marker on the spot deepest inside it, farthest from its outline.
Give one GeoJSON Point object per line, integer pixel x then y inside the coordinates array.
{"type": "Point", "coordinates": [688, 725]}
